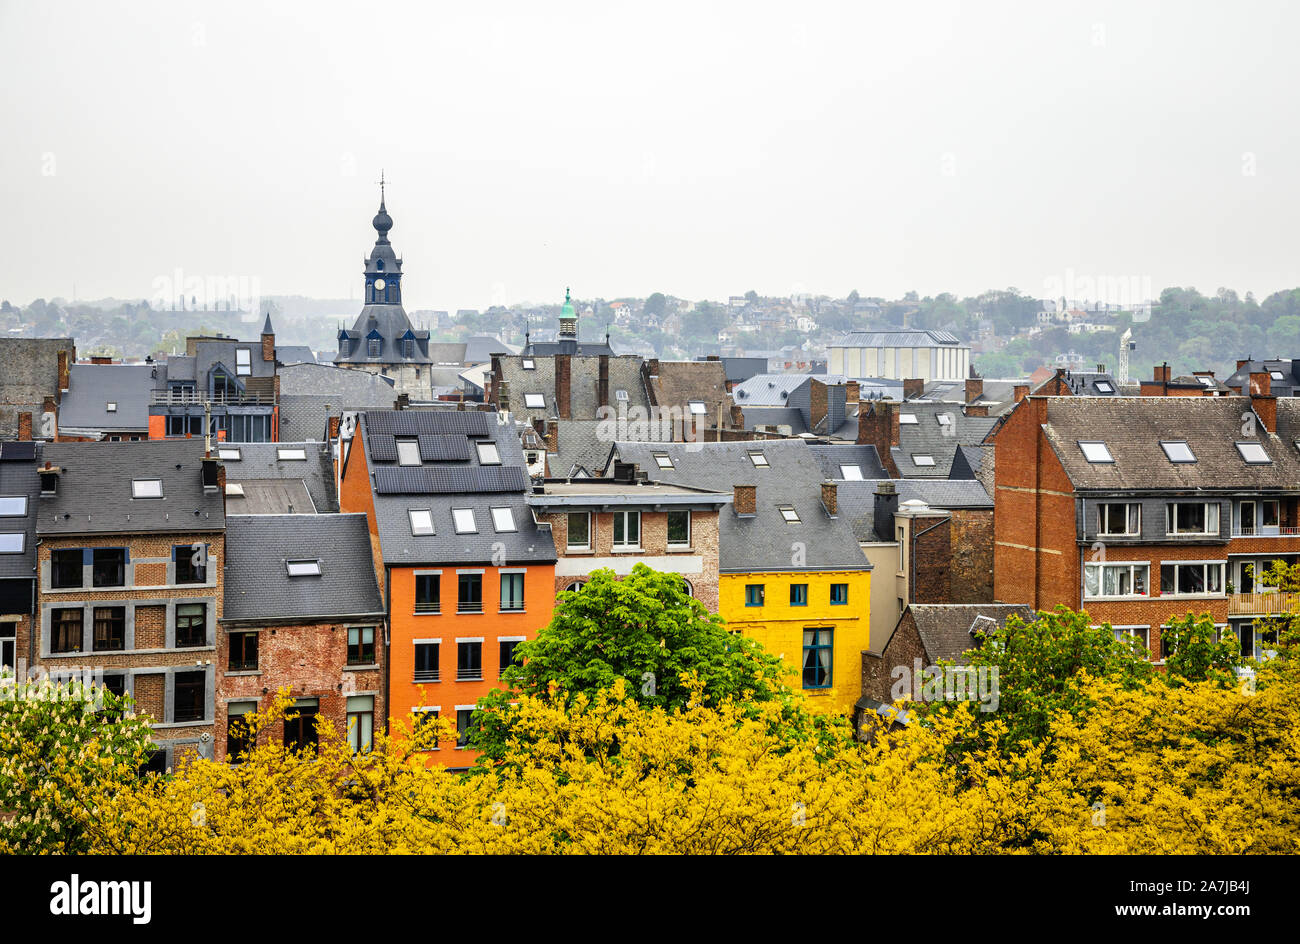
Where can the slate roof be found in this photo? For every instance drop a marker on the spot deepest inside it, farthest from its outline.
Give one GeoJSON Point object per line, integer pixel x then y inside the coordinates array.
{"type": "Point", "coordinates": [583, 449]}
{"type": "Point", "coordinates": [294, 354]}
{"type": "Point", "coordinates": [261, 461]}
{"type": "Point", "coordinates": [1284, 385]}
{"type": "Point", "coordinates": [944, 629]}
{"type": "Point", "coordinates": [833, 457]}
{"type": "Point", "coordinates": [741, 368]}
{"type": "Point", "coordinates": [479, 349]}
{"type": "Point", "coordinates": [765, 541]}
{"type": "Point", "coordinates": [91, 387]}
{"type": "Point", "coordinates": [857, 500]}
{"type": "Point", "coordinates": [927, 436]}
{"type": "Point", "coordinates": [775, 389]}
{"type": "Point", "coordinates": [441, 485]}
{"type": "Point", "coordinates": [328, 380]}
{"type": "Point", "coordinates": [18, 478]}
{"type": "Point", "coordinates": [257, 582]}
{"type": "Point", "coordinates": [268, 497]}
{"type": "Point", "coordinates": [94, 489]}
{"type": "Point", "coordinates": [679, 382]}
{"type": "Point", "coordinates": [584, 371]}
{"type": "Point", "coordinates": [391, 324]}
{"type": "Point", "coordinates": [999, 395]}
{"type": "Point", "coordinates": [1132, 428]}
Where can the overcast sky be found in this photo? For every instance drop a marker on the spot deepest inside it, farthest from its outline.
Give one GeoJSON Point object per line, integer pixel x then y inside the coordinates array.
{"type": "Point", "coordinates": [699, 150]}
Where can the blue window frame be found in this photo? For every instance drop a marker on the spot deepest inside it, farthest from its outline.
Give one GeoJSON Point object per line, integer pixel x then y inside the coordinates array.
{"type": "Point", "coordinates": [753, 594]}
{"type": "Point", "coordinates": [818, 649]}
{"type": "Point", "coordinates": [798, 594]}
{"type": "Point", "coordinates": [839, 594]}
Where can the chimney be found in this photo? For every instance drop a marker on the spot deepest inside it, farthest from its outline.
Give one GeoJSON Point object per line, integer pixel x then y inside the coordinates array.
{"type": "Point", "coordinates": [885, 507]}
{"type": "Point", "coordinates": [913, 387]}
{"type": "Point", "coordinates": [878, 426]}
{"type": "Point", "coordinates": [100, 359]}
{"type": "Point", "coordinates": [1261, 383]}
{"type": "Point", "coordinates": [744, 499]}
{"type": "Point", "coordinates": [602, 382]}
{"type": "Point", "coordinates": [653, 366]}
{"type": "Point", "coordinates": [25, 425]}
{"type": "Point", "coordinates": [63, 371]}
{"type": "Point", "coordinates": [502, 397]}
{"type": "Point", "coordinates": [977, 409]}
{"type": "Point", "coordinates": [1162, 373]}
{"type": "Point", "coordinates": [552, 436]}
{"type": "Point", "coordinates": [334, 427]}
{"type": "Point", "coordinates": [828, 498]}
{"type": "Point", "coordinates": [974, 388]}
{"type": "Point", "coordinates": [737, 417]}
{"type": "Point", "coordinates": [403, 401]}
{"type": "Point", "coordinates": [818, 405]}
{"type": "Point", "coordinates": [1019, 392]}
{"type": "Point", "coordinates": [1241, 364]}
{"type": "Point", "coordinates": [562, 386]}
{"type": "Point", "coordinates": [1265, 407]}
{"type": "Point", "coordinates": [851, 392]}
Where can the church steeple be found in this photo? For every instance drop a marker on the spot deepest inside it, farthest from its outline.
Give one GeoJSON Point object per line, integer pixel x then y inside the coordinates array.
{"type": "Point", "coordinates": [383, 268]}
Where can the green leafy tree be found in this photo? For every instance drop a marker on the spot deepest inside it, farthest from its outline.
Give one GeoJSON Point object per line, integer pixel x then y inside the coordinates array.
{"type": "Point", "coordinates": [656, 304]}
{"type": "Point", "coordinates": [1196, 653]}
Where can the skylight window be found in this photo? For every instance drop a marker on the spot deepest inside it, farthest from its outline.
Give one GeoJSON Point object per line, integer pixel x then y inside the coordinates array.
{"type": "Point", "coordinates": [851, 473]}
{"type": "Point", "coordinates": [13, 506]}
{"type": "Point", "coordinates": [146, 488]}
{"type": "Point", "coordinates": [1207, 381]}
{"type": "Point", "coordinates": [697, 407]}
{"type": "Point", "coordinates": [759, 460]}
{"type": "Point", "coordinates": [1103, 386]}
{"type": "Point", "coordinates": [243, 362]}
{"type": "Point", "coordinates": [1178, 451]}
{"type": "Point", "coordinates": [303, 568]}
{"type": "Point", "coordinates": [663, 460]}
{"type": "Point", "coordinates": [620, 395]}
{"type": "Point", "coordinates": [789, 514]}
{"type": "Point", "coordinates": [408, 452]}
{"type": "Point", "coordinates": [1095, 451]}
{"type": "Point", "coordinates": [111, 406]}
{"type": "Point", "coordinates": [229, 455]}
{"type": "Point", "coordinates": [906, 419]}
{"type": "Point", "coordinates": [421, 521]}
{"type": "Point", "coordinates": [922, 459]}
{"type": "Point", "coordinates": [234, 490]}
{"type": "Point", "coordinates": [1253, 453]}
{"type": "Point", "coordinates": [945, 419]}
{"type": "Point", "coordinates": [463, 519]}
{"type": "Point", "coordinates": [291, 455]}
{"type": "Point", "coordinates": [534, 401]}
{"type": "Point", "coordinates": [503, 519]}
{"type": "Point", "coordinates": [528, 364]}
{"type": "Point", "coordinates": [1275, 374]}
{"type": "Point", "coordinates": [488, 454]}
{"type": "Point", "coordinates": [12, 543]}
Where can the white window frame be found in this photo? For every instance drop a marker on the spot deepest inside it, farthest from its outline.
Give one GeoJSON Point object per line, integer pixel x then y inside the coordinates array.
{"type": "Point", "coordinates": [493, 453]}
{"type": "Point", "coordinates": [291, 455]}
{"type": "Point", "coordinates": [568, 540]}
{"type": "Point", "coordinates": [243, 362]}
{"type": "Point", "coordinates": [21, 537]}
{"type": "Point", "coordinates": [458, 520]}
{"type": "Point", "coordinates": [1101, 568]}
{"type": "Point", "coordinates": [678, 545]}
{"type": "Point", "coordinates": [404, 446]}
{"type": "Point", "coordinates": [907, 419]}
{"type": "Point", "coordinates": [625, 545]}
{"type": "Point", "coordinates": [1205, 564]}
{"type": "Point", "coordinates": [139, 491]}
{"type": "Point", "coordinates": [306, 567]}
{"type": "Point", "coordinates": [420, 529]}
{"type": "Point", "coordinates": [922, 460]}
{"type": "Point", "coordinates": [22, 507]}
{"type": "Point", "coordinates": [1098, 454]}
{"type": "Point", "coordinates": [1171, 516]}
{"type": "Point", "coordinates": [228, 454]}
{"type": "Point", "coordinates": [506, 513]}
{"type": "Point", "coordinates": [697, 407]}
{"type": "Point", "coordinates": [1103, 519]}
{"type": "Point", "coordinates": [534, 401]}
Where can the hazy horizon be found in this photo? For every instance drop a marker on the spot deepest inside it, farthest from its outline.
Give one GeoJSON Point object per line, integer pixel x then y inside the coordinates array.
{"type": "Point", "coordinates": [696, 151]}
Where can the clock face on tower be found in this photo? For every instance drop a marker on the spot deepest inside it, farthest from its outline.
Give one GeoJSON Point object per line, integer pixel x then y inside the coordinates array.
{"type": "Point", "coordinates": [379, 285]}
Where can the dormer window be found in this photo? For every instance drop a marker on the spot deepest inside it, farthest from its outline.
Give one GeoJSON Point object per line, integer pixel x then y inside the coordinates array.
{"type": "Point", "coordinates": [408, 348]}
{"type": "Point", "coordinates": [408, 452]}
{"type": "Point", "coordinates": [1095, 451]}
{"type": "Point", "coordinates": [303, 568]}
{"type": "Point", "coordinates": [146, 488]}
{"type": "Point", "coordinates": [379, 264]}
{"type": "Point", "coordinates": [1177, 451]}
{"type": "Point", "coordinates": [488, 454]}
{"type": "Point", "coordinates": [243, 362]}
{"type": "Point", "coordinates": [372, 347]}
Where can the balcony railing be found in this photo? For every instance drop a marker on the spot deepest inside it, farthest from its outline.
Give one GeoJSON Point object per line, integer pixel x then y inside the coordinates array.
{"type": "Point", "coordinates": [429, 675]}
{"type": "Point", "coordinates": [428, 607]}
{"type": "Point", "coordinates": [1264, 603]}
{"type": "Point", "coordinates": [469, 675]}
{"type": "Point", "coordinates": [197, 398]}
{"type": "Point", "coordinates": [1264, 531]}
{"type": "Point", "coordinates": [466, 606]}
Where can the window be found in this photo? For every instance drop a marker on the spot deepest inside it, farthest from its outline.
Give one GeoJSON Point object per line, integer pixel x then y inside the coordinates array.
{"type": "Point", "coordinates": [663, 460]}
{"type": "Point", "coordinates": [421, 520]}
{"type": "Point", "coordinates": [1117, 519]}
{"type": "Point", "coordinates": [65, 568]}
{"type": "Point", "coordinates": [12, 542]}
{"type": "Point", "coordinates": [191, 562]}
{"type": "Point", "coordinates": [507, 652]}
{"type": "Point", "coordinates": [191, 625]}
{"type": "Point", "coordinates": [1095, 451]}
{"type": "Point", "coordinates": [697, 407]}
{"type": "Point", "coordinates": [1103, 386]}
{"type": "Point", "coordinates": [753, 594]}
{"type": "Point", "coordinates": [512, 593]}
{"type": "Point", "coordinates": [408, 348]}
{"type": "Point", "coordinates": [1115, 580]}
{"type": "Point", "coordinates": [291, 455]}
{"type": "Point", "coordinates": [1253, 453]}
{"type": "Point", "coordinates": [907, 419]}
{"type": "Point", "coordinates": [503, 519]}
{"type": "Point", "coordinates": [627, 530]}
{"type": "Point", "coordinates": [469, 660]}
{"type": "Point", "coordinates": [234, 490]}
{"type": "Point", "coordinates": [428, 593]}
{"type": "Point", "coordinates": [469, 593]}
{"type": "Point", "coordinates": [839, 594]}
{"type": "Point", "coordinates": [361, 645]}
{"type": "Point", "coordinates": [463, 519]}
{"type": "Point", "coordinates": [798, 594]}
{"type": "Point", "coordinates": [184, 425]}
{"type": "Point", "coordinates": [851, 473]}
{"type": "Point", "coordinates": [534, 401]}
{"type": "Point", "coordinates": [110, 406]}
{"type": "Point", "coordinates": [243, 652]}
{"type": "Point", "coordinates": [373, 347]}
{"type": "Point", "coordinates": [239, 737]}
{"type": "Point", "coordinates": [229, 455]}
{"type": "Point", "coordinates": [1142, 633]}
{"type": "Point", "coordinates": [1177, 451]}
{"type": "Point", "coordinates": [361, 722]}
{"type": "Point", "coordinates": [488, 454]}
{"type": "Point", "coordinates": [300, 725]}
{"type": "Point", "coordinates": [944, 419]}
{"type": "Point", "coordinates": [14, 506]}
{"type": "Point", "coordinates": [1181, 579]}
{"type": "Point", "coordinates": [426, 661]}
{"type": "Point", "coordinates": [110, 629]}
{"type": "Point", "coordinates": [243, 362]}
{"type": "Point", "coordinates": [1192, 518]}
{"type": "Point", "coordinates": [921, 459]}
{"type": "Point", "coordinates": [189, 696]}
{"type": "Point", "coordinates": [789, 514]}
{"type": "Point", "coordinates": [303, 568]}
{"type": "Point", "coordinates": [463, 716]}
{"type": "Point", "coordinates": [65, 629]}
{"type": "Point", "coordinates": [579, 531]}
{"type": "Point", "coordinates": [146, 488]}
{"type": "Point", "coordinates": [620, 396]}
{"type": "Point", "coordinates": [679, 529]}
{"type": "Point", "coordinates": [817, 651]}
{"type": "Point", "coordinates": [252, 427]}
{"type": "Point", "coordinates": [759, 460]}
{"type": "Point", "coordinates": [108, 567]}
{"type": "Point", "coordinates": [1275, 374]}
{"type": "Point", "coordinates": [528, 363]}
{"type": "Point", "coordinates": [1269, 513]}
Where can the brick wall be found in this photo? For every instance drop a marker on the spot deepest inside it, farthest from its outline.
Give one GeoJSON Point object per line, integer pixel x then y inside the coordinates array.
{"type": "Point", "coordinates": [972, 566]}
{"type": "Point", "coordinates": [877, 667]}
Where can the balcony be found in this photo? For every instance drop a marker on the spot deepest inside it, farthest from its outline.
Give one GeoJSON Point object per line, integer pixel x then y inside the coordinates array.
{"type": "Point", "coordinates": [1263, 603]}
{"type": "Point", "coordinates": [1265, 531]}
{"type": "Point", "coordinates": [197, 398]}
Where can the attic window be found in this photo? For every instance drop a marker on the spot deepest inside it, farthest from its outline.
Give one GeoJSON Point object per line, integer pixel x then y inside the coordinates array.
{"type": "Point", "coordinates": [13, 543]}
{"type": "Point", "coordinates": [243, 362]}
{"type": "Point", "coordinates": [922, 459]}
{"type": "Point", "coordinates": [663, 460]}
{"type": "Point", "coordinates": [372, 347]}
{"type": "Point", "coordinates": [234, 490]}
{"type": "Point", "coordinates": [534, 401]}
{"type": "Point", "coordinates": [1178, 451]}
{"type": "Point", "coordinates": [528, 363]}
{"type": "Point", "coordinates": [1095, 451]}
{"type": "Point", "coordinates": [463, 519]}
{"type": "Point", "coordinates": [1207, 381]}
{"type": "Point", "coordinates": [759, 460]}
{"type": "Point", "coordinates": [303, 568]}
{"type": "Point", "coordinates": [945, 419]}
{"type": "Point", "coordinates": [408, 452]}
{"type": "Point", "coordinates": [488, 454]}
{"type": "Point", "coordinates": [13, 506]}
{"type": "Point", "coordinates": [408, 348]}
{"type": "Point", "coordinates": [906, 418]}
{"type": "Point", "coordinates": [229, 455]}
{"type": "Point", "coordinates": [620, 395]}
{"type": "Point", "coordinates": [111, 406]}
{"type": "Point", "coordinates": [1253, 453]}
{"type": "Point", "coordinates": [503, 519]}
{"type": "Point", "coordinates": [1275, 374]}
{"type": "Point", "coordinates": [697, 407]}
{"type": "Point", "coordinates": [851, 473]}
{"type": "Point", "coordinates": [789, 514]}
{"type": "Point", "coordinates": [421, 521]}
{"type": "Point", "coordinates": [146, 488]}
{"type": "Point", "coordinates": [287, 455]}
{"type": "Point", "coordinates": [1103, 386]}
